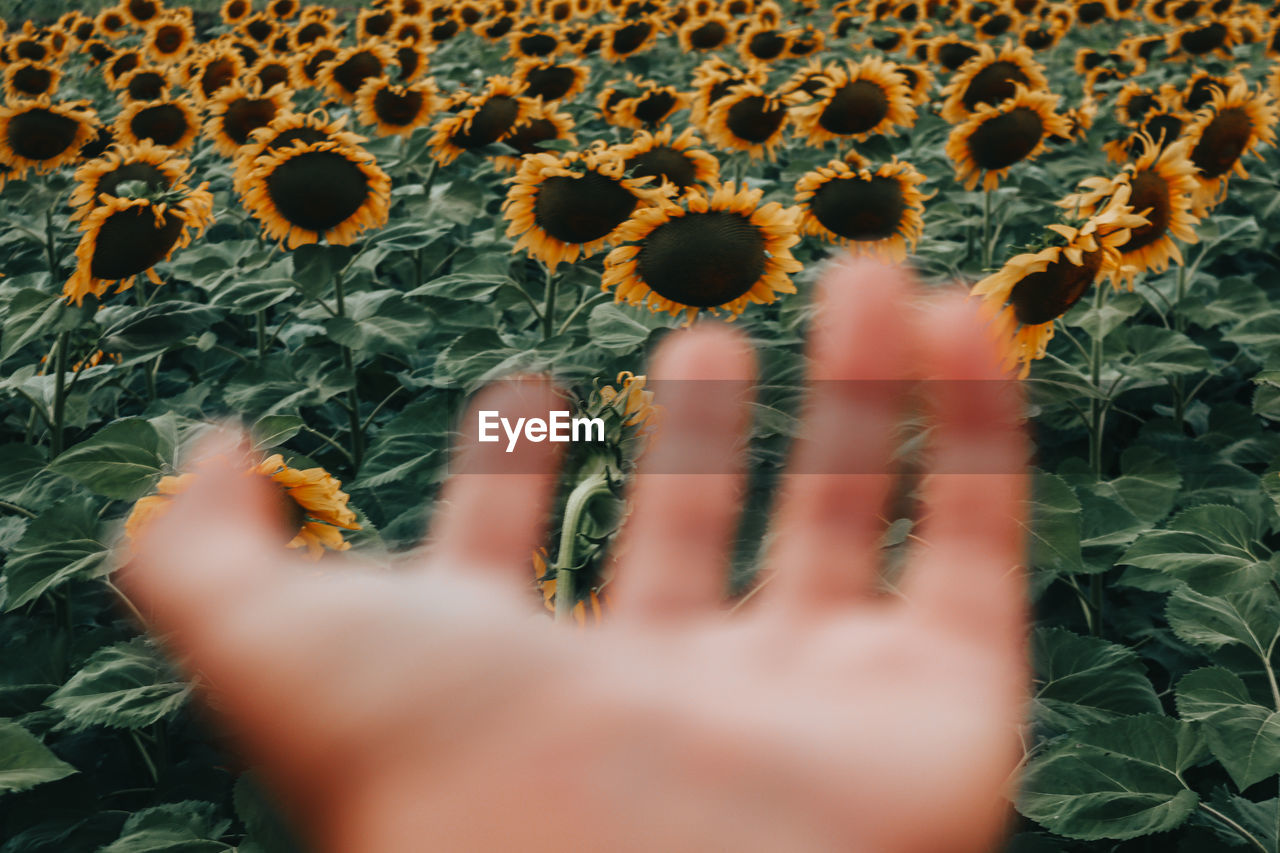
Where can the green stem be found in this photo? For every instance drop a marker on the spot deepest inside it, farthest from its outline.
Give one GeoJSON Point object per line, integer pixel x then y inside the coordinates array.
{"type": "Point", "coordinates": [146, 756]}
{"type": "Point", "coordinates": [566, 559]}
{"type": "Point", "coordinates": [1097, 425]}
{"type": "Point", "coordinates": [431, 177]}
{"type": "Point", "coordinates": [152, 372]}
{"type": "Point", "coordinates": [1180, 321]}
{"type": "Point", "coordinates": [549, 306]}
{"type": "Point", "coordinates": [353, 399]}
{"type": "Point", "coordinates": [49, 244]}
{"type": "Point", "coordinates": [1239, 830]}
{"type": "Point", "coordinates": [59, 393]}
{"type": "Point", "coordinates": [11, 507]}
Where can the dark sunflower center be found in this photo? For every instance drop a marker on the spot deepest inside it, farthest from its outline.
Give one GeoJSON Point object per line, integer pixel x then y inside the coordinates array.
{"type": "Point", "coordinates": [1037, 39]}
{"type": "Point", "coordinates": [291, 514]}
{"type": "Point", "coordinates": [629, 38]}
{"type": "Point", "coordinates": [655, 106]}
{"type": "Point", "coordinates": [993, 84]}
{"type": "Point", "coordinates": [1041, 296]}
{"type": "Point", "coordinates": [490, 122]}
{"type": "Point", "coordinates": [1223, 141]}
{"type": "Point", "coordinates": [593, 44]}
{"type": "Point", "coordinates": [1149, 191]}
{"type": "Point", "coordinates": [259, 30]}
{"type": "Point", "coordinates": [858, 209]}
{"type": "Point", "coordinates": [307, 33]}
{"type": "Point", "coordinates": [112, 22]}
{"type": "Point", "coordinates": [719, 90]}
{"type": "Point", "coordinates": [1202, 92]}
{"type": "Point", "coordinates": [32, 79]}
{"type": "Point", "coordinates": [97, 146]}
{"type": "Point", "coordinates": [247, 52]}
{"type": "Point", "coordinates": [1163, 129]}
{"type": "Point", "coordinates": [147, 86]}
{"type": "Point", "coordinates": [1148, 48]}
{"type": "Point", "coordinates": [500, 27]}
{"type": "Point", "coordinates": [703, 259]}
{"type": "Point", "coordinates": [803, 46]}
{"type": "Point", "coordinates": [130, 242]}
{"type": "Point", "coordinates": [41, 134]}
{"type": "Point", "coordinates": [124, 63]}
{"type": "Point", "coordinates": [218, 73]}
{"type": "Point", "coordinates": [855, 107]}
{"type": "Point", "coordinates": [143, 10]}
{"type": "Point", "coordinates": [1204, 39]}
{"type": "Point", "coordinates": [408, 60]}
{"type": "Point", "coordinates": [273, 73]}
{"type": "Point", "coordinates": [1091, 12]}
{"type": "Point", "coordinates": [708, 36]}
{"type": "Point", "coordinates": [754, 119]}
{"type": "Point", "coordinates": [317, 190]}
{"type": "Point", "coordinates": [237, 9]}
{"type": "Point", "coordinates": [1187, 11]}
{"type": "Point", "coordinates": [1001, 141]}
{"type": "Point", "coordinates": [245, 115]}
{"type": "Point", "coordinates": [954, 54]}
{"type": "Point", "coordinates": [887, 41]}
{"type": "Point", "coordinates": [397, 109]}
{"type": "Point", "coordinates": [1139, 105]}
{"type": "Point", "coordinates": [317, 60]}
{"type": "Point", "coordinates": [356, 69]}
{"type": "Point", "coordinates": [169, 38]}
{"type": "Point", "coordinates": [377, 25]}
{"type": "Point", "coordinates": [538, 44]}
{"type": "Point", "coordinates": [305, 135]}
{"type": "Point", "coordinates": [444, 30]}
{"type": "Point", "coordinates": [549, 83]}
{"type": "Point", "coordinates": [163, 124]}
{"type": "Point", "coordinates": [99, 51]}
{"type": "Point", "coordinates": [663, 161]}
{"type": "Point", "coordinates": [767, 45]}
{"type": "Point", "coordinates": [527, 138]}
{"type": "Point", "coordinates": [470, 15]}
{"type": "Point", "coordinates": [84, 30]}
{"type": "Point", "coordinates": [581, 209]}
{"type": "Point", "coordinates": [997, 24]}
{"type": "Point", "coordinates": [737, 7]}
{"type": "Point", "coordinates": [148, 173]}
{"type": "Point", "coordinates": [909, 76]}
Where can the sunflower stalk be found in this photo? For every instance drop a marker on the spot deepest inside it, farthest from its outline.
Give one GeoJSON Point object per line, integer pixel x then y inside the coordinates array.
{"type": "Point", "coordinates": [592, 486]}
{"type": "Point", "coordinates": [59, 394]}
{"type": "Point", "coordinates": [353, 399]}
{"type": "Point", "coordinates": [549, 306]}
{"type": "Point", "coordinates": [1097, 424]}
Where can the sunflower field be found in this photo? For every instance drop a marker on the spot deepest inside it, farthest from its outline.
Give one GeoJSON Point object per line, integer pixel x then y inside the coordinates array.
{"type": "Point", "coordinates": [335, 223]}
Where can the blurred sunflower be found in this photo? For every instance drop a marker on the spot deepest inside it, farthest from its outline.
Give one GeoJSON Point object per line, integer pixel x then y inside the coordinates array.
{"type": "Point", "coordinates": [282, 10]}
{"type": "Point", "coordinates": [545, 581]}
{"type": "Point", "coordinates": [235, 11]}
{"type": "Point", "coordinates": [1134, 102]}
{"type": "Point", "coordinates": [951, 52]}
{"type": "Point", "coordinates": [313, 509]}
{"type": "Point", "coordinates": [1091, 11]}
{"type": "Point", "coordinates": [305, 192]}
{"type": "Point", "coordinates": [1162, 125]}
{"type": "Point", "coordinates": [213, 68]}
{"type": "Point", "coordinates": [1234, 124]}
{"type": "Point", "coordinates": [1204, 38]}
{"type": "Point", "coordinates": [990, 78]}
{"type": "Point", "coordinates": [271, 71]}
{"type": "Point", "coordinates": [998, 22]}
{"type": "Point", "coordinates": [872, 212]}
{"type": "Point", "coordinates": [412, 62]}
{"type": "Point", "coordinates": [144, 83]}
{"type": "Point", "coordinates": [171, 122]}
{"type": "Point", "coordinates": [995, 138]}
{"type": "Point", "coordinates": [286, 130]}
{"type": "Point", "coordinates": [651, 107]}
{"type": "Point", "coordinates": [157, 168]}
{"type": "Point", "coordinates": [168, 36]}
{"type": "Point", "coordinates": [1201, 85]}
{"type": "Point", "coordinates": [238, 110]}
{"type": "Point", "coordinates": [805, 41]}
{"type": "Point", "coordinates": [396, 110]}
{"type": "Point", "coordinates": [258, 28]}
{"type": "Point", "coordinates": [627, 38]}
{"type": "Point", "coordinates": [343, 76]}
{"type": "Point", "coordinates": [26, 79]}
{"type": "Point", "coordinates": [311, 63]}
{"type": "Point", "coordinates": [806, 81]}
{"type": "Point", "coordinates": [1146, 48]}
{"type": "Point", "coordinates": [374, 23]}
{"type": "Point", "coordinates": [715, 79]}
{"type": "Point", "coordinates": [487, 118]}
{"type": "Point", "coordinates": [42, 134]}
{"type": "Point", "coordinates": [704, 33]}
{"type": "Point", "coordinates": [141, 11]}
{"type": "Point", "coordinates": [762, 42]}
{"type": "Point", "coordinates": [918, 80]}
{"type": "Point", "coordinates": [543, 124]}
{"type": "Point", "coordinates": [1160, 185]}
{"type": "Point", "coordinates": [551, 81]}
{"type": "Point", "coordinates": [111, 23]}
{"type": "Point", "coordinates": [1041, 35]}
{"type": "Point", "coordinates": [862, 100]}
{"type": "Point", "coordinates": [677, 161]}
{"type": "Point", "coordinates": [562, 207]}
{"type": "Point", "coordinates": [1032, 290]}
{"type": "Point", "coordinates": [124, 237]}
{"type": "Point", "coordinates": [723, 252]}
{"type": "Point", "coordinates": [749, 120]}
{"type": "Point", "coordinates": [534, 43]}
{"type": "Point", "coordinates": [120, 64]}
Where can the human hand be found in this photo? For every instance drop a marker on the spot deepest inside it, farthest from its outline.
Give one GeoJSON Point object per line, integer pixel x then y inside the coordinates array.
{"type": "Point", "coordinates": [433, 709]}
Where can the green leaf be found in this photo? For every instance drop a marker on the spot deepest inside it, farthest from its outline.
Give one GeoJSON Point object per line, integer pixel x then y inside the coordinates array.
{"type": "Point", "coordinates": [612, 328]}
{"type": "Point", "coordinates": [1148, 485]}
{"type": "Point", "coordinates": [1250, 618]}
{"type": "Point", "coordinates": [250, 295]}
{"type": "Point", "coordinates": [273, 430]}
{"type": "Point", "coordinates": [406, 236]}
{"type": "Point", "coordinates": [1241, 734]}
{"type": "Point", "coordinates": [1055, 525]}
{"type": "Point", "coordinates": [26, 762]}
{"type": "Point", "coordinates": [1120, 779]}
{"type": "Point", "coordinates": [31, 313]}
{"type": "Point", "coordinates": [125, 686]}
{"type": "Point", "coordinates": [1158, 353]}
{"type": "Point", "coordinates": [462, 286]}
{"type": "Point", "coordinates": [122, 460]}
{"type": "Point", "coordinates": [61, 544]}
{"type": "Point", "coordinates": [155, 327]}
{"type": "Point", "coordinates": [1212, 548]}
{"type": "Point", "coordinates": [314, 266]}
{"type": "Point", "coordinates": [186, 827]}
{"type": "Point", "coordinates": [1085, 680]}
{"type": "Point", "coordinates": [380, 321]}
{"type": "Point", "coordinates": [1098, 323]}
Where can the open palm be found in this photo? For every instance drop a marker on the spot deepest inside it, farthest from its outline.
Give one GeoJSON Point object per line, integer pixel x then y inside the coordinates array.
{"type": "Point", "coordinates": [435, 709]}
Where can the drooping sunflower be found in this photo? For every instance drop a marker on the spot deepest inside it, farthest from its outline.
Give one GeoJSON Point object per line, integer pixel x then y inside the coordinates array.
{"type": "Point", "coordinates": [651, 107]}
{"type": "Point", "coordinates": [1027, 295]}
{"type": "Point", "coordinates": [353, 65]}
{"type": "Point", "coordinates": [310, 64]}
{"type": "Point", "coordinates": [627, 38]}
{"type": "Point", "coordinates": [42, 134]}
{"type": "Point", "coordinates": [396, 110]}
{"type": "Point", "coordinates": [862, 99]}
{"type": "Point", "coordinates": [762, 42]}
{"type": "Point", "coordinates": [168, 36]}
{"type": "Point", "coordinates": [1234, 124]}
{"type": "Point", "coordinates": [488, 117]}
{"type": "Point", "coordinates": [551, 81]}
{"type": "Point", "coordinates": [270, 71]}
{"type": "Point", "coordinates": [678, 161]}
{"type": "Point", "coordinates": [1206, 38]}
{"type": "Point", "coordinates": [313, 509]}
{"type": "Point", "coordinates": [534, 42]}
{"type": "Point", "coordinates": [215, 67]}
{"type": "Point", "coordinates": [238, 110]}
{"type": "Point", "coordinates": [286, 130]}
{"type": "Point", "coordinates": [144, 83]}
{"type": "Point", "coordinates": [546, 582]}
{"type": "Point", "coordinates": [120, 64]}
{"type": "Point", "coordinates": [996, 138]}
{"type": "Point", "coordinates": [542, 125]}
{"type": "Point", "coordinates": [306, 192]}
{"type": "Point", "coordinates": [26, 79]}
{"type": "Point", "coordinates": [159, 169]}
{"type": "Point", "coordinates": [715, 79]}
{"type": "Point", "coordinates": [169, 121]}
{"type": "Point", "coordinates": [749, 120]}
{"type": "Point", "coordinates": [951, 52]}
{"type": "Point", "coordinates": [990, 78]}
{"type": "Point", "coordinates": [876, 212]}
{"type": "Point", "coordinates": [1160, 185]}
{"type": "Point", "coordinates": [235, 11]}
{"type": "Point", "coordinates": [704, 33]}
{"type": "Point", "coordinates": [123, 238]}
{"type": "Point", "coordinates": [724, 251]}
{"type": "Point", "coordinates": [562, 207]}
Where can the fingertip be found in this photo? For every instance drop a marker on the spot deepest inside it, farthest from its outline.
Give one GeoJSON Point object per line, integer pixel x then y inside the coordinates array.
{"type": "Point", "coordinates": [711, 351]}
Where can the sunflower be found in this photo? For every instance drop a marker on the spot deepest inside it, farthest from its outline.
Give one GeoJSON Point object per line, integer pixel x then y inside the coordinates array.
{"type": "Point", "coordinates": [488, 117]}
{"type": "Point", "coordinates": [563, 207]}
{"type": "Point", "coordinates": [42, 134]}
{"type": "Point", "coordinates": [99, 179]}
{"type": "Point", "coordinates": [238, 110]}
{"type": "Point", "coordinates": [995, 138]}
{"type": "Point", "coordinates": [951, 51]}
{"type": "Point", "coordinates": [749, 120]}
{"type": "Point", "coordinates": [216, 67]}
{"type": "Point", "coordinates": [235, 11]}
{"type": "Point", "coordinates": [550, 80]}
{"type": "Point", "coordinates": [1161, 125]}
{"type": "Point", "coordinates": [1213, 37]}
{"type": "Point", "coordinates": [408, 31]}
{"type": "Point", "coordinates": [919, 80]}
{"type": "Point", "coordinates": [111, 23]}
{"type": "Point", "coordinates": [498, 28]}
{"type": "Point", "coordinates": [286, 130]}
{"type": "Point", "coordinates": [282, 10]}
{"type": "Point", "coordinates": [716, 79]}
{"type": "Point", "coordinates": [1201, 86]}
{"type": "Point", "coordinates": [313, 509]}
{"type": "Point", "coordinates": [704, 33]}
{"type": "Point", "coordinates": [998, 22]}
{"type": "Point", "coordinates": [762, 42]}
{"type": "Point", "coordinates": [627, 38]}
{"type": "Point", "coordinates": [120, 64]}
{"type": "Point", "coordinates": [723, 252]}
{"type": "Point", "coordinates": [373, 24]}
{"type": "Point", "coordinates": [545, 581]}
{"type": "Point", "coordinates": [1092, 11]}
{"type": "Point", "coordinates": [1027, 294]}
{"type": "Point", "coordinates": [27, 79]}
{"type": "Point", "coordinates": [990, 78]}
{"type": "Point", "coordinates": [171, 122]}
{"type": "Point", "coordinates": [396, 110]}
{"type": "Point", "coordinates": [676, 161]}
{"type": "Point", "coordinates": [862, 99]}
{"type": "Point", "coordinates": [411, 62]}
{"type": "Point", "coordinates": [1134, 102]}
{"type": "Point", "coordinates": [316, 190]}
{"type": "Point", "coordinates": [1234, 124]}
{"type": "Point", "coordinates": [805, 41]}
{"type": "Point", "coordinates": [353, 65]}
{"type": "Point", "coordinates": [651, 107]}
{"type": "Point", "coordinates": [258, 28]}
{"type": "Point", "coordinates": [144, 83]}
{"type": "Point", "coordinates": [878, 213]}
{"type": "Point", "coordinates": [125, 237]}
{"type": "Point", "coordinates": [536, 43]}
{"type": "Point", "coordinates": [1160, 185]}
{"type": "Point", "coordinates": [168, 37]}
{"type": "Point", "coordinates": [1145, 48]}
{"type": "Point", "coordinates": [270, 71]}
{"type": "Point", "coordinates": [806, 81]}
{"type": "Point", "coordinates": [311, 63]}
{"type": "Point", "coordinates": [1041, 35]}
{"type": "Point", "coordinates": [140, 11]}
{"type": "Point", "coordinates": [543, 124]}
